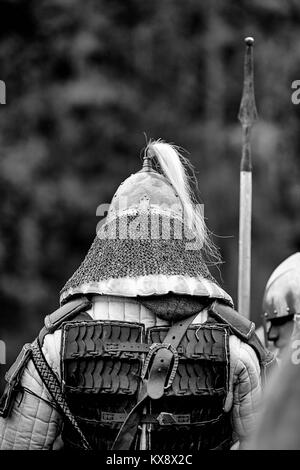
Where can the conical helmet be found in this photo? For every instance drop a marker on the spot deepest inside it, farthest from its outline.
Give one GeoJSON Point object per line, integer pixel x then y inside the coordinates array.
{"type": "Point", "coordinates": [153, 240]}
{"type": "Point", "coordinates": [282, 292]}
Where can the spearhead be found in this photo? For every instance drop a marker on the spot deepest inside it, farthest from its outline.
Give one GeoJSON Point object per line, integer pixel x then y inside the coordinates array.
{"type": "Point", "coordinates": [247, 113]}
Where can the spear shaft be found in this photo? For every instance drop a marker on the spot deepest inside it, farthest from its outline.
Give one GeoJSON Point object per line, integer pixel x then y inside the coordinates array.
{"type": "Point", "coordinates": [247, 116]}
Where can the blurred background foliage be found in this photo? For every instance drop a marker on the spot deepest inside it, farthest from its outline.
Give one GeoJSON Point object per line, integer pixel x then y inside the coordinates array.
{"type": "Point", "coordinates": [86, 80]}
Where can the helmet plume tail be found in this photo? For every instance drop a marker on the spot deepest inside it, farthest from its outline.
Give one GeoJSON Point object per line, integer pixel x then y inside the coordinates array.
{"type": "Point", "coordinates": [174, 166]}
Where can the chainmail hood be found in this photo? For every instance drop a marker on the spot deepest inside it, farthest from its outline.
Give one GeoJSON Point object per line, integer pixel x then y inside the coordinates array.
{"type": "Point", "coordinates": [144, 246]}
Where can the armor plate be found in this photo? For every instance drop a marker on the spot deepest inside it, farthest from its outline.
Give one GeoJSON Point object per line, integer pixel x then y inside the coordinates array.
{"type": "Point", "coordinates": [102, 367]}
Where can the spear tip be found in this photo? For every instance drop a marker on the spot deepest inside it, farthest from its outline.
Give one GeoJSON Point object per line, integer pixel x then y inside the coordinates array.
{"type": "Point", "coordinates": [247, 113]}
{"type": "Point", "coordinates": [249, 41]}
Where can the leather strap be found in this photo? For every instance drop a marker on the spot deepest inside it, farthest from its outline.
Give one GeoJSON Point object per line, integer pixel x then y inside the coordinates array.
{"type": "Point", "coordinates": [162, 419]}
{"type": "Point", "coordinates": [245, 330]}
{"type": "Point", "coordinates": [161, 364]}
{"type": "Point", "coordinates": [155, 384]}
{"type": "Point", "coordinates": [126, 346]}
{"type": "Point", "coordinates": [64, 313]}
{"type": "Point", "coordinates": [239, 325]}
{"type": "Point", "coordinates": [128, 430]}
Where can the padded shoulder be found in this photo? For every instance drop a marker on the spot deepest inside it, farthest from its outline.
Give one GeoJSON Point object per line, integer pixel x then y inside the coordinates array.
{"type": "Point", "coordinates": [240, 326]}
{"type": "Point", "coordinates": [52, 323]}
{"type": "Point", "coordinates": [13, 377]}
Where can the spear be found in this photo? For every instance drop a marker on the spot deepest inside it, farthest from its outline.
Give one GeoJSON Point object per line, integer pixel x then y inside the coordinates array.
{"type": "Point", "coordinates": [247, 116]}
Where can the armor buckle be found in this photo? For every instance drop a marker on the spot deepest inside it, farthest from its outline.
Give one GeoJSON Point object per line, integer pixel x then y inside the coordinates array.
{"type": "Point", "coordinates": [152, 351]}
{"type": "Point", "coordinates": [166, 419]}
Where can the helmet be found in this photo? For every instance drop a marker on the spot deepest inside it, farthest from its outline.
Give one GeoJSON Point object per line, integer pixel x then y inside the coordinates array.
{"type": "Point", "coordinates": [154, 240]}
{"type": "Point", "coordinates": [282, 292]}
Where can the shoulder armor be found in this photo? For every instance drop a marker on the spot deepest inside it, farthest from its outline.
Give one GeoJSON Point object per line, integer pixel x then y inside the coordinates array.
{"type": "Point", "coordinates": [240, 326]}
{"type": "Point", "coordinates": [244, 329]}
{"type": "Point", "coordinates": [62, 314]}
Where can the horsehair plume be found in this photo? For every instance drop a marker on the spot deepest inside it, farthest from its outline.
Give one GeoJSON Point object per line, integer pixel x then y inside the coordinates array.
{"type": "Point", "coordinates": [174, 166]}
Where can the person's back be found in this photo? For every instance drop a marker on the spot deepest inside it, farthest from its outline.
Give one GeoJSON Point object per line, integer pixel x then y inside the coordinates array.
{"type": "Point", "coordinates": [145, 342]}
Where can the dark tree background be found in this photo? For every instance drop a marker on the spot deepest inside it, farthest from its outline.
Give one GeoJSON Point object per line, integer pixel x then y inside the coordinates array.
{"type": "Point", "coordinates": [85, 80]}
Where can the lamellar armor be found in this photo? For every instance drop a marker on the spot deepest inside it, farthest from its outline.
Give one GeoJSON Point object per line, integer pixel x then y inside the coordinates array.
{"type": "Point", "coordinates": [104, 364]}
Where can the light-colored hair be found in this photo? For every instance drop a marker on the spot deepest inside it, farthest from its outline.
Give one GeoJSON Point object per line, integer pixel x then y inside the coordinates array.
{"type": "Point", "coordinates": [174, 166]}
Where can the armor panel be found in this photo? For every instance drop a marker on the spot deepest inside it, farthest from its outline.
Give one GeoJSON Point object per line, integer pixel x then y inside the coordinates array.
{"type": "Point", "coordinates": [103, 363]}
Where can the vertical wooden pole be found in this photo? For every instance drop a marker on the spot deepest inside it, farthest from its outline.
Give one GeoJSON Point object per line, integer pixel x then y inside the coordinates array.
{"type": "Point", "coordinates": [247, 116]}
